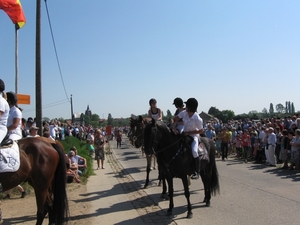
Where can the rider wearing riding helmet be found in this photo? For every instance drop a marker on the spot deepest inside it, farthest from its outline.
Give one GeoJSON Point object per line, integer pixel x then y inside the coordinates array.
{"type": "Point", "coordinates": [193, 126]}
{"type": "Point", "coordinates": [154, 112]}
{"type": "Point", "coordinates": [14, 121]}
{"type": "Point", "coordinates": [4, 111]}
{"type": "Point", "coordinates": [178, 102]}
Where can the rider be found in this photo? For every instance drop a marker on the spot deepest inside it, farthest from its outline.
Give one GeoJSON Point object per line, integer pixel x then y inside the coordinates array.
{"type": "Point", "coordinates": [178, 102]}
{"type": "Point", "coordinates": [193, 126]}
{"type": "Point", "coordinates": [4, 111]}
{"type": "Point", "coordinates": [154, 112]}
{"type": "Point", "coordinates": [14, 121]}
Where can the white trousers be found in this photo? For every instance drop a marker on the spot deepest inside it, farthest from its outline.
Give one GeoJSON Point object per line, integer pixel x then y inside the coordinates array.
{"type": "Point", "coordinates": [267, 155]}
{"type": "Point", "coordinates": [272, 157]}
{"type": "Point", "coordinates": [194, 147]}
{"type": "Point", "coordinates": [3, 132]}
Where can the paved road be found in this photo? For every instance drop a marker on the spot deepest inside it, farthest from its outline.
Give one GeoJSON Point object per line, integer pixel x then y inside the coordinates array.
{"type": "Point", "coordinates": [250, 193]}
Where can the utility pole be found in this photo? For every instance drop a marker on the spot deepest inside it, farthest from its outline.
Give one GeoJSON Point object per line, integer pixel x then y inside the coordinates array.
{"type": "Point", "coordinates": [72, 114]}
{"type": "Point", "coordinates": [38, 81]}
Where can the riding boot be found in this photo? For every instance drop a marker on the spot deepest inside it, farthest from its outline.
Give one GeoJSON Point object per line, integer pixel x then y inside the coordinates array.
{"type": "Point", "coordinates": [195, 176]}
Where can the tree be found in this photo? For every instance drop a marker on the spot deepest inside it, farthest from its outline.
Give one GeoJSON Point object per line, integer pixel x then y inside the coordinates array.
{"type": "Point", "coordinates": [264, 112]}
{"type": "Point", "coordinates": [109, 119]}
{"type": "Point", "coordinates": [46, 119]}
{"type": "Point", "coordinates": [292, 108]}
{"type": "Point", "coordinates": [95, 117]}
{"type": "Point", "coordinates": [271, 110]}
{"type": "Point", "coordinates": [280, 108]}
{"type": "Point", "coordinates": [168, 117]}
{"type": "Point", "coordinates": [214, 111]}
{"type": "Point", "coordinates": [226, 115]}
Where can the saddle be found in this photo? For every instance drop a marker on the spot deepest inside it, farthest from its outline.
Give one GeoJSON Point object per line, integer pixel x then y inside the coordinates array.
{"type": "Point", "coordinates": [203, 148]}
{"type": "Point", "coordinates": [6, 142]}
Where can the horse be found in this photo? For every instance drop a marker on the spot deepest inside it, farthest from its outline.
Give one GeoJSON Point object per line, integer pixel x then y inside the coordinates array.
{"type": "Point", "coordinates": [137, 138]}
{"type": "Point", "coordinates": [174, 155]}
{"type": "Point", "coordinates": [42, 164]}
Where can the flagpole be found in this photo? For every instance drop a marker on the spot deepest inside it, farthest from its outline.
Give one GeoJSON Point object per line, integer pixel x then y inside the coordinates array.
{"type": "Point", "coordinates": [16, 60]}
{"type": "Point", "coordinates": [38, 84]}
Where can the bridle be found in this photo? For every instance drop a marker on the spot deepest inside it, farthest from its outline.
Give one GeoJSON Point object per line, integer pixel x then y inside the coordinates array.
{"type": "Point", "coordinates": [155, 141]}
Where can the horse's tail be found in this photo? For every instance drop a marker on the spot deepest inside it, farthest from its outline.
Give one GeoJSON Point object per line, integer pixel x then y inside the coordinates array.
{"type": "Point", "coordinates": [60, 208]}
{"type": "Point", "coordinates": [214, 185]}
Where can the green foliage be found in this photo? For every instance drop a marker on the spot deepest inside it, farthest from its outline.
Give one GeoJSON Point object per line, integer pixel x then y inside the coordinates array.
{"type": "Point", "coordinates": [81, 147]}
{"type": "Point", "coordinates": [214, 111]}
{"type": "Point", "coordinates": [168, 117]}
{"type": "Point", "coordinates": [109, 119]}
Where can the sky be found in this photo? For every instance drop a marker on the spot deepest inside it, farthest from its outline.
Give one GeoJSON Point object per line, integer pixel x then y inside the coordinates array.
{"type": "Point", "coordinates": [115, 55]}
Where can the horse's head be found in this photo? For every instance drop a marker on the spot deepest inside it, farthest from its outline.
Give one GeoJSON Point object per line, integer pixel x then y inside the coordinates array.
{"type": "Point", "coordinates": [155, 133]}
{"type": "Point", "coordinates": [137, 131]}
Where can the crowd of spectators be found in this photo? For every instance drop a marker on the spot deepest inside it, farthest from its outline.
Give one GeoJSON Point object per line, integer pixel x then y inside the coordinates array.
{"type": "Point", "coordinates": [272, 141]}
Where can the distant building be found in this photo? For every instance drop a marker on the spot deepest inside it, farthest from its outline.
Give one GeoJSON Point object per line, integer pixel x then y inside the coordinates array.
{"type": "Point", "coordinates": [206, 117]}
{"type": "Point", "coordinates": [88, 112]}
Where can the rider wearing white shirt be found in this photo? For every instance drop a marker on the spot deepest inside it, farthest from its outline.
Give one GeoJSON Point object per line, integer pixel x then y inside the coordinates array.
{"type": "Point", "coordinates": [14, 121]}
{"type": "Point", "coordinates": [4, 111]}
{"type": "Point", "coordinates": [193, 126]}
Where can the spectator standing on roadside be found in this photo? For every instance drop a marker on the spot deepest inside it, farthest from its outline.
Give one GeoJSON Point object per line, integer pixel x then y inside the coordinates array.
{"type": "Point", "coordinates": [53, 130]}
{"type": "Point", "coordinates": [225, 139]}
{"type": "Point", "coordinates": [29, 123]}
{"type": "Point", "coordinates": [99, 143]}
{"type": "Point", "coordinates": [33, 131]}
{"type": "Point", "coordinates": [271, 146]}
{"type": "Point", "coordinates": [295, 147]}
{"type": "Point", "coordinates": [119, 138]}
{"type": "Point", "coordinates": [246, 144]}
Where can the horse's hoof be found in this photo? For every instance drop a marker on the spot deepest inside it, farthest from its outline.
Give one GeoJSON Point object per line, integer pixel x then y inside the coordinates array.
{"type": "Point", "coordinates": [164, 197]}
{"type": "Point", "coordinates": [145, 187]}
{"type": "Point", "coordinates": [189, 215]}
{"type": "Point", "coordinates": [207, 204]}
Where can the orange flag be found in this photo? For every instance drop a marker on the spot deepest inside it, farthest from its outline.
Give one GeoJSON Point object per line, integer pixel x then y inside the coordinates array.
{"type": "Point", "coordinates": [15, 12]}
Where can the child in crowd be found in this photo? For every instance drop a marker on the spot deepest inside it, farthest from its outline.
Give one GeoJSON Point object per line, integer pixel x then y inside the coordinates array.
{"type": "Point", "coordinates": [255, 148]}
{"type": "Point", "coordinates": [238, 145]}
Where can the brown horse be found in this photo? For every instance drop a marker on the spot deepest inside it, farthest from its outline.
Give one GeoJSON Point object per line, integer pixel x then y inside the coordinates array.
{"type": "Point", "coordinates": [42, 164]}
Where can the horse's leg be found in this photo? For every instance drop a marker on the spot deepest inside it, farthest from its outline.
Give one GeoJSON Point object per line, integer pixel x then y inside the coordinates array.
{"type": "Point", "coordinates": [206, 183]}
{"type": "Point", "coordinates": [162, 180]}
{"type": "Point", "coordinates": [42, 207]}
{"type": "Point", "coordinates": [148, 169]}
{"type": "Point", "coordinates": [185, 183]}
{"type": "Point", "coordinates": [171, 193]}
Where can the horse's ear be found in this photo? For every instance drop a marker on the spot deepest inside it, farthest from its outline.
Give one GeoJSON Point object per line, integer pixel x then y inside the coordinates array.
{"type": "Point", "coordinates": [140, 118]}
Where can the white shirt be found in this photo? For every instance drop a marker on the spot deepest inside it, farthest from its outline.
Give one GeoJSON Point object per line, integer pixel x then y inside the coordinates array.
{"type": "Point", "coordinates": [193, 123]}
{"type": "Point", "coordinates": [14, 112]}
{"type": "Point", "coordinates": [4, 107]}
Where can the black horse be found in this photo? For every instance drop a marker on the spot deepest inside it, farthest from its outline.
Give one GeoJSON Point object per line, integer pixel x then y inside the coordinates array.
{"type": "Point", "coordinates": [175, 158]}
{"type": "Point", "coordinates": [137, 140]}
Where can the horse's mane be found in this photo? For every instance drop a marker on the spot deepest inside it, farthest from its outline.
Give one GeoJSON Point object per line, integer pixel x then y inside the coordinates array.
{"type": "Point", "coordinates": [163, 128]}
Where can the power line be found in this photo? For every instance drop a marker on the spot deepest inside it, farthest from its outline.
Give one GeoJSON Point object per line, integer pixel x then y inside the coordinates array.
{"type": "Point", "coordinates": [62, 80]}
{"type": "Point", "coordinates": [50, 105]}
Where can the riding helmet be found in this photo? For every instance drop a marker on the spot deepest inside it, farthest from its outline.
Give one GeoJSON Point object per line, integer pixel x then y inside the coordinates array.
{"type": "Point", "coordinates": [178, 102]}
{"type": "Point", "coordinates": [2, 85]}
{"type": "Point", "coordinates": [192, 104]}
{"type": "Point", "coordinates": [12, 98]}
{"type": "Point", "coordinates": [152, 100]}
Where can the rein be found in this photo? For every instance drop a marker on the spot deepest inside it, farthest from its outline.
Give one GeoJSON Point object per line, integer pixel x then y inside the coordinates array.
{"type": "Point", "coordinates": [156, 152]}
